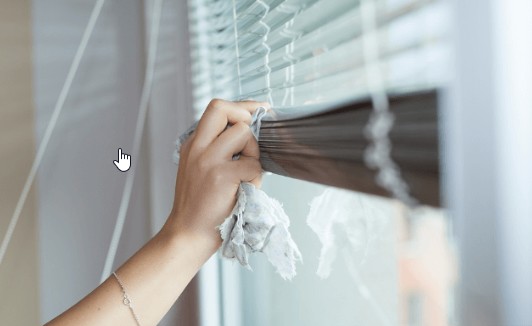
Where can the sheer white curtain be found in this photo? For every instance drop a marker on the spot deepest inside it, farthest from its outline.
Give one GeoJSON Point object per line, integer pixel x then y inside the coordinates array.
{"type": "Point", "coordinates": [79, 189]}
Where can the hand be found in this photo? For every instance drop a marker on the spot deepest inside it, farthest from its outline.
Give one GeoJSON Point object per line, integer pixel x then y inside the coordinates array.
{"type": "Point", "coordinates": [208, 178]}
{"type": "Point", "coordinates": [206, 186]}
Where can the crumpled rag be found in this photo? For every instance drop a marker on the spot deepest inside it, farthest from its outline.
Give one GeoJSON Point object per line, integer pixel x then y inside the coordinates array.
{"type": "Point", "coordinates": [257, 223]}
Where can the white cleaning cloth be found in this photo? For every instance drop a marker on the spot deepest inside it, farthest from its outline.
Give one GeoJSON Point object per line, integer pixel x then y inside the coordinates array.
{"type": "Point", "coordinates": [257, 222]}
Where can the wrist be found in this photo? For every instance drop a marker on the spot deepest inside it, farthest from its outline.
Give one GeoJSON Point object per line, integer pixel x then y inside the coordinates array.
{"type": "Point", "coordinates": [201, 243]}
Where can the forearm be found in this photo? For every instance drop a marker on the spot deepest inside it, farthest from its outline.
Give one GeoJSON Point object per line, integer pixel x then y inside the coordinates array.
{"type": "Point", "coordinates": [206, 188]}
{"type": "Point", "coordinates": [154, 278]}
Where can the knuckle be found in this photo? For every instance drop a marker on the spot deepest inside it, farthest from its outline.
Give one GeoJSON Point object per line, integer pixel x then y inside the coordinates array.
{"type": "Point", "coordinates": [215, 103]}
{"type": "Point", "coordinates": [244, 119]}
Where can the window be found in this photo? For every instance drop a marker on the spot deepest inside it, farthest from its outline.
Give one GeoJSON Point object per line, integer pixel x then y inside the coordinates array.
{"type": "Point", "coordinates": [388, 265]}
{"type": "Point", "coordinates": [415, 310]}
{"type": "Point", "coordinates": [299, 53]}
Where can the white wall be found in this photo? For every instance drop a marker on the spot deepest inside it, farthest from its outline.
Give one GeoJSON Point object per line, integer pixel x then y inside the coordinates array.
{"type": "Point", "coordinates": [19, 304]}
{"type": "Point", "coordinates": [488, 155]}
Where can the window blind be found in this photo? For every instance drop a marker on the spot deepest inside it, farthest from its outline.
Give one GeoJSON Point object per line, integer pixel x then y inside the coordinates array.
{"type": "Point", "coordinates": [303, 54]}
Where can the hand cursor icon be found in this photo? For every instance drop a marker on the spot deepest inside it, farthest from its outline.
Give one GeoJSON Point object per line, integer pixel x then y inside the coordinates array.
{"type": "Point", "coordinates": [124, 161]}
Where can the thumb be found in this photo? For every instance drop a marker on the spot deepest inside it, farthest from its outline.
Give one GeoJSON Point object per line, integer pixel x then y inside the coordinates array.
{"type": "Point", "coordinates": [116, 163]}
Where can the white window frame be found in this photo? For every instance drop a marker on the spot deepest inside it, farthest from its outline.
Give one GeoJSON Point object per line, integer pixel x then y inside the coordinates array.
{"type": "Point", "coordinates": [488, 157]}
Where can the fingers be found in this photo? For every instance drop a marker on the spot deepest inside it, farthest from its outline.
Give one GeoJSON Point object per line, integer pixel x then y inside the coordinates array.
{"type": "Point", "coordinates": [219, 114]}
{"type": "Point", "coordinates": [245, 169]}
{"type": "Point", "coordinates": [257, 182]}
{"type": "Point", "coordinates": [252, 105]}
{"type": "Point", "coordinates": [222, 142]}
{"type": "Point", "coordinates": [234, 140]}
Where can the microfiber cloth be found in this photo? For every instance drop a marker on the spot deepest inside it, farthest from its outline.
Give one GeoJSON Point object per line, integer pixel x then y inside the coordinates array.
{"type": "Point", "coordinates": [257, 223]}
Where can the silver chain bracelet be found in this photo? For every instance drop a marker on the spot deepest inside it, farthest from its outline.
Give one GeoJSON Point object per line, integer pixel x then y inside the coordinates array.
{"type": "Point", "coordinates": [126, 300]}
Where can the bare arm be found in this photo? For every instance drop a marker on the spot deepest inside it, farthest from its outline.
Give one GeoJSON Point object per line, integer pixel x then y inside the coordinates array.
{"type": "Point", "coordinates": [206, 188]}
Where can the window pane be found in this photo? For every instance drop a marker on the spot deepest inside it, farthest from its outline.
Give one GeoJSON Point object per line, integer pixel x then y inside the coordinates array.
{"type": "Point", "coordinates": [389, 271]}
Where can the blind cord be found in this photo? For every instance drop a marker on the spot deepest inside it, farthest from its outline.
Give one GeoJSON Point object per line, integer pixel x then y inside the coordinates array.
{"type": "Point", "coordinates": [378, 153]}
{"type": "Point", "coordinates": [65, 90]}
{"type": "Point", "coordinates": [137, 140]}
{"type": "Point", "coordinates": [268, 50]}
{"type": "Point", "coordinates": [237, 50]}
{"type": "Point", "coordinates": [289, 50]}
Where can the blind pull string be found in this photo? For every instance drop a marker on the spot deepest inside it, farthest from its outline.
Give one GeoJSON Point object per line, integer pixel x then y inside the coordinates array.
{"type": "Point", "coordinates": [378, 153]}
{"type": "Point", "coordinates": [237, 50]}
{"type": "Point", "coordinates": [137, 140]}
{"type": "Point", "coordinates": [65, 90]}
{"type": "Point", "coordinates": [268, 50]}
{"type": "Point", "coordinates": [289, 50]}
{"type": "Point", "coordinates": [288, 72]}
